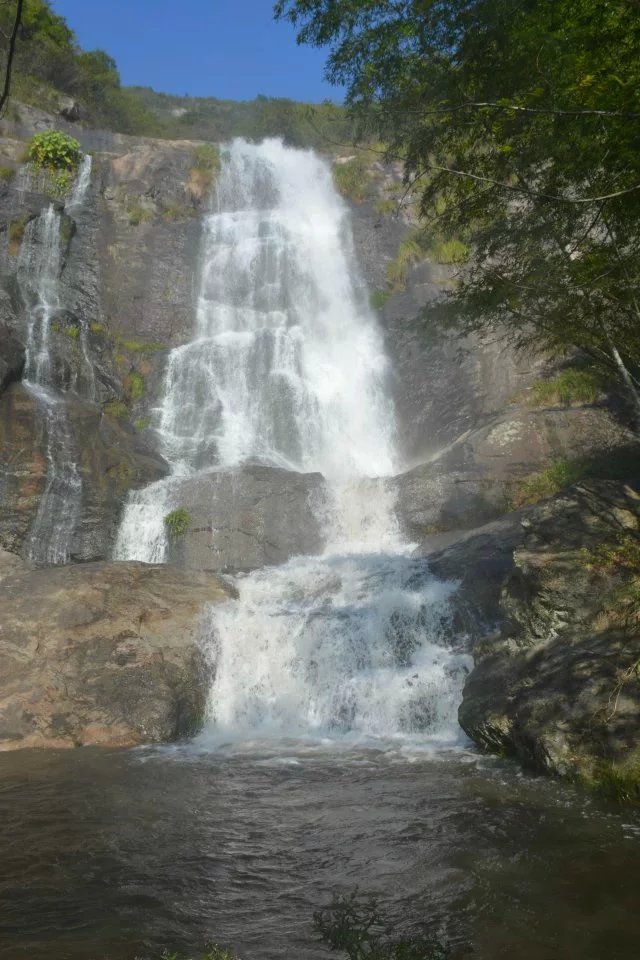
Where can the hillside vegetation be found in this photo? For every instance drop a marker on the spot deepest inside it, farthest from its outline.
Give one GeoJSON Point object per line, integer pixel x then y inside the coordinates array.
{"type": "Point", "coordinates": [49, 62]}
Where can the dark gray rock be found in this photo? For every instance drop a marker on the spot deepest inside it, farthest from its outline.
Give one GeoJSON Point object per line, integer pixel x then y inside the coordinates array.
{"type": "Point", "coordinates": [248, 517]}
{"type": "Point", "coordinates": [475, 479]}
{"type": "Point", "coordinates": [11, 356]}
{"type": "Point", "coordinates": [554, 632]}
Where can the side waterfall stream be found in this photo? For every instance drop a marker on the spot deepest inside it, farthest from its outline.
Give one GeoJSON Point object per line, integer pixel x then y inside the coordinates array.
{"type": "Point", "coordinates": [39, 269]}
{"type": "Point", "coordinates": [331, 757]}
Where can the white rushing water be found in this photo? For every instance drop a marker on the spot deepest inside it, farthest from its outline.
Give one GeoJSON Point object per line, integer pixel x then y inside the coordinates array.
{"type": "Point", "coordinates": [81, 185]}
{"type": "Point", "coordinates": [39, 269]}
{"type": "Point", "coordinates": [287, 367]}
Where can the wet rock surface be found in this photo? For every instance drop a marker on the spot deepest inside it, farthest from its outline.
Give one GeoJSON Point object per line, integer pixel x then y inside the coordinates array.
{"type": "Point", "coordinates": [101, 653]}
{"type": "Point", "coordinates": [111, 461]}
{"type": "Point", "coordinates": [249, 517]}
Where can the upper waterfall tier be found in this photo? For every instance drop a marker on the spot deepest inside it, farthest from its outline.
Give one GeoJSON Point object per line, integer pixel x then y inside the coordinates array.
{"type": "Point", "coordinates": [287, 364]}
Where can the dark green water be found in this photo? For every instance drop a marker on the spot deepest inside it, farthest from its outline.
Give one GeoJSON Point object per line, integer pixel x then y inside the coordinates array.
{"type": "Point", "coordinates": [121, 854]}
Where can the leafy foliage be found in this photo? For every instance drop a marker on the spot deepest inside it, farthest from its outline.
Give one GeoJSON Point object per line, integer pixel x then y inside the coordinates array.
{"type": "Point", "coordinates": [49, 59]}
{"type": "Point", "coordinates": [518, 124]}
{"type": "Point", "coordinates": [355, 926]}
{"type": "Point", "coordinates": [177, 522]}
{"type": "Point", "coordinates": [54, 150]}
{"type": "Point", "coordinates": [207, 118]}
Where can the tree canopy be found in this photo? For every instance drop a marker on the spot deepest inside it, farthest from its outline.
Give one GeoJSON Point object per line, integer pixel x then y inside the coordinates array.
{"type": "Point", "coordinates": [519, 125]}
{"type": "Point", "coordinates": [48, 61]}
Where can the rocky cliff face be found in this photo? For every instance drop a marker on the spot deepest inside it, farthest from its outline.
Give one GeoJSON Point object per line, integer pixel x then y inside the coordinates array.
{"type": "Point", "coordinates": [550, 598]}
{"type": "Point", "coordinates": [126, 295]}
{"type": "Point", "coordinates": [553, 682]}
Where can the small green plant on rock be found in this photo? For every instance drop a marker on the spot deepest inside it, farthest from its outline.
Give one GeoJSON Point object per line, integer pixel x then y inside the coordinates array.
{"type": "Point", "coordinates": [410, 251]}
{"type": "Point", "coordinates": [207, 157]}
{"type": "Point", "coordinates": [138, 213]}
{"type": "Point", "coordinates": [134, 385]}
{"type": "Point", "coordinates": [547, 482]}
{"type": "Point", "coordinates": [177, 522]}
{"type": "Point", "coordinates": [378, 298]}
{"type": "Point", "coordinates": [352, 179]}
{"type": "Point", "coordinates": [205, 166]}
{"type": "Point", "coordinates": [618, 782]}
{"type": "Point", "coordinates": [7, 174]}
{"type": "Point", "coordinates": [116, 409]}
{"type": "Point", "coordinates": [449, 251]}
{"type": "Point", "coordinates": [212, 952]}
{"type": "Point", "coordinates": [16, 235]}
{"type": "Point", "coordinates": [621, 555]}
{"type": "Point", "coordinates": [54, 150]}
{"type": "Point", "coordinates": [386, 207]}
{"type": "Point", "coordinates": [571, 386]}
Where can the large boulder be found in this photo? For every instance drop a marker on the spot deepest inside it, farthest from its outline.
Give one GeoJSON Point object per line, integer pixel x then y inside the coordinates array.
{"type": "Point", "coordinates": [551, 598]}
{"type": "Point", "coordinates": [101, 653]}
{"type": "Point", "coordinates": [248, 517]}
{"type": "Point", "coordinates": [477, 478]}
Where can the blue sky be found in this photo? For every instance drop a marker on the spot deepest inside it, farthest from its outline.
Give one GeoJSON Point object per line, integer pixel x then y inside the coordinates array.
{"type": "Point", "coordinates": [222, 48]}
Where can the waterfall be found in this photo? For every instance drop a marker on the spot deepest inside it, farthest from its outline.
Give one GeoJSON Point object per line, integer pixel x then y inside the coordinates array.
{"type": "Point", "coordinates": [75, 206]}
{"type": "Point", "coordinates": [81, 184]}
{"type": "Point", "coordinates": [287, 367]}
{"type": "Point", "coordinates": [39, 269]}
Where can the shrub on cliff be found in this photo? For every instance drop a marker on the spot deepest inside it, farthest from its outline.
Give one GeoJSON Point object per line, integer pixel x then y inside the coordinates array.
{"type": "Point", "coordinates": [54, 150]}
{"type": "Point", "coordinates": [177, 522]}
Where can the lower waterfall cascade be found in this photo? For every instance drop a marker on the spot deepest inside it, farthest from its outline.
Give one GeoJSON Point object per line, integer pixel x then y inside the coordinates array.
{"type": "Point", "coordinates": [287, 368]}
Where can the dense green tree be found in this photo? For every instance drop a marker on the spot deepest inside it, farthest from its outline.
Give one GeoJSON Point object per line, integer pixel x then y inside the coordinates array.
{"type": "Point", "coordinates": [49, 61]}
{"type": "Point", "coordinates": [519, 124]}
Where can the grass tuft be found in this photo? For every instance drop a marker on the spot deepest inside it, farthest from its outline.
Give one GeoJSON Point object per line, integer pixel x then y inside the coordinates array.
{"type": "Point", "coordinates": [572, 386]}
{"type": "Point", "coordinates": [547, 482]}
{"type": "Point", "coordinates": [352, 179]}
{"type": "Point", "coordinates": [177, 522]}
{"type": "Point", "coordinates": [449, 251]}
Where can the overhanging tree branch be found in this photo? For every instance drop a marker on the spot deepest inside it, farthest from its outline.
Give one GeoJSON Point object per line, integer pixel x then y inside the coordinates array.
{"type": "Point", "coordinates": [4, 96]}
